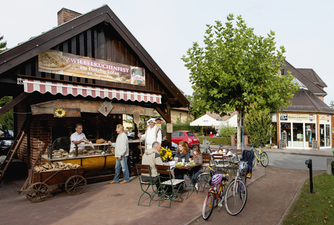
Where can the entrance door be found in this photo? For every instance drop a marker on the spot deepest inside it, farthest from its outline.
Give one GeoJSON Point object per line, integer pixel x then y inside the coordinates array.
{"type": "Point", "coordinates": [325, 135]}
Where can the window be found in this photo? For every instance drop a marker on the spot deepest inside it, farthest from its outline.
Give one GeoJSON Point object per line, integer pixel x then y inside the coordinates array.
{"type": "Point", "coordinates": [175, 134]}
{"type": "Point", "coordinates": [181, 134]}
{"type": "Point", "coordinates": [190, 134]}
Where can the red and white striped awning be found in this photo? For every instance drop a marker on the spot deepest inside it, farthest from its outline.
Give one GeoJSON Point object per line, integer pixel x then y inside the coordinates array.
{"type": "Point", "coordinates": [75, 90]}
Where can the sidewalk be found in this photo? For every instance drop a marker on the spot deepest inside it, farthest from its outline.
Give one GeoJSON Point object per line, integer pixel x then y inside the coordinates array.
{"type": "Point", "coordinates": [321, 152]}
{"type": "Point", "coordinates": [103, 203]}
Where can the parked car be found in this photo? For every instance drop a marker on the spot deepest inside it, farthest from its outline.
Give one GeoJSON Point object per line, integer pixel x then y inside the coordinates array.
{"type": "Point", "coordinates": [188, 136]}
{"type": "Point", "coordinates": [6, 139]}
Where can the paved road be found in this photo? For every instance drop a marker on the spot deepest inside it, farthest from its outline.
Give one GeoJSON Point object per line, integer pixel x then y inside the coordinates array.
{"type": "Point", "coordinates": [293, 161]}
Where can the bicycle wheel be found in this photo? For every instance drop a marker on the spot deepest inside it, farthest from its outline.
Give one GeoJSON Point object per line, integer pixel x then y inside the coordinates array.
{"type": "Point", "coordinates": [235, 197]}
{"type": "Point", "coordinates": [264, 159]}
{"type": "Point", "coordinates": [208, 205]}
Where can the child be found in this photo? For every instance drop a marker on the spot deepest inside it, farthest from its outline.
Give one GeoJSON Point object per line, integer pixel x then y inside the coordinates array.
{"type": "Point", "coordinates": [198, 159]}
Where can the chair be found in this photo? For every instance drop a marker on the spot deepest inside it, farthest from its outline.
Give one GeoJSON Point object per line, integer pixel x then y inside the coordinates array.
{"type": "Point", "coordinates": [165, 179]}
{"type": "Point", "coordinates": [146, 169]}
{"type": "Point", "coordinates": [206, 175]}
{"type": "Point", "coordinates": [220, 162]}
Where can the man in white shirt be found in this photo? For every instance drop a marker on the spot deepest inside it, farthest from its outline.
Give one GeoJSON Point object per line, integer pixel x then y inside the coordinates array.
{"type": "Point", "coordinates": [152, 134]}
{"type": "Point", "coordinates": [78, 137]}
{"type": "Point", "coordinates": [121, 155]}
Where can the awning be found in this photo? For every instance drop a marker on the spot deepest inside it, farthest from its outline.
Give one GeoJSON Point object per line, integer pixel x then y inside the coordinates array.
{"type": "Point", "coordinates": [75, 90]}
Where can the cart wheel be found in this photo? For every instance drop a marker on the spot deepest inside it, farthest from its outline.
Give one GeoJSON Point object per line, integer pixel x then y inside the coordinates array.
{"type": "Point", "coordinates": [38, 192]}
{"type": "Point", "coordinates": [75, 185]}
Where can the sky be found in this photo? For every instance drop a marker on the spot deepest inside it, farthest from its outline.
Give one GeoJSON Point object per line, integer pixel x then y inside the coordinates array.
{"type": "Point", "coordinates": [167, 29]}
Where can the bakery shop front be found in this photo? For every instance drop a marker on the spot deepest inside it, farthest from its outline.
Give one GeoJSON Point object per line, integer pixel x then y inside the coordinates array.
{"type": "Point", "coordinates": [89, 70]}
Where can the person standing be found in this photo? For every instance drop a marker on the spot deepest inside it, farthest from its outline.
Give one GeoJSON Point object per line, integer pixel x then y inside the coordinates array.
{"type": "Point", "coordinates": [152, 134]}
{"type": "Point", "coordinates": [78, 137]}
{"type": "Point", "coordinates": [121, 153]}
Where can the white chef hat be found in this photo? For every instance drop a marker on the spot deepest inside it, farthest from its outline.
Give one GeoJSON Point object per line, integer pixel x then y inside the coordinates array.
{"type": "Point", "coordinates": [151, 119]}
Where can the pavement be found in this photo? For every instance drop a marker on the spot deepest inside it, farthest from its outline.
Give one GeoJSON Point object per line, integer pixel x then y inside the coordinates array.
{"type": "Point", "coordinates": [271, 192]}
{"type": "Point", "coordinates": [321, 152]}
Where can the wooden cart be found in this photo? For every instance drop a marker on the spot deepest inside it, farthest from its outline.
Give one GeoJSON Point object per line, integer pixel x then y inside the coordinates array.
{"type": "Point", "coordinates": [37, 185]}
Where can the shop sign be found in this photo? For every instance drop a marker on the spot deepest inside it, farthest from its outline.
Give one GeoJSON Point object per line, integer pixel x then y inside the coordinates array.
{"type": "Point", "coordinates": [52, 61]}
{"type": "Point", "coordinates": [87, 107]}
{"type": "Point", "coordinates": [105, 108]}
{"type": "Point", "coordinates": [324, 118]}
{"type": "Point", "coordinates": [297, 117]}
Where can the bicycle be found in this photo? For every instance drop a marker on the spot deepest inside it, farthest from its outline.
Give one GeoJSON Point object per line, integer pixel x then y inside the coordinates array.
{"type": "Point", "coordinates": [236, 192]}
{"type": "Point", "coordinates": [261, 157]}
{"type": "Point", "coordinates": [215, 194]}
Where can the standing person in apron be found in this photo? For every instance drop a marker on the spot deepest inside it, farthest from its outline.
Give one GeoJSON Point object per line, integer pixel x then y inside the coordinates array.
{"type": "Point", "coordinates": [152, 134]}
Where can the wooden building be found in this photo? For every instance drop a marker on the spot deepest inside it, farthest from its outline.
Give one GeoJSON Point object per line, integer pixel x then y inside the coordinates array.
{"type": "Point", "coordinates": [86, 61]}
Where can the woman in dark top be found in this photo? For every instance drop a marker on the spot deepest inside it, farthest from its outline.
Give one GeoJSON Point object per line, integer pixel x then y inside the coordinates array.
{"type": "Point", "coordinates": [182, 153]}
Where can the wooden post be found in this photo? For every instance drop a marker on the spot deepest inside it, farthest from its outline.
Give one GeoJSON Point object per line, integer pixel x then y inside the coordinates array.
{"type": "Point", "coordinates": [165, 112]}
{"type": "Point", "coordinates": [278, 123]}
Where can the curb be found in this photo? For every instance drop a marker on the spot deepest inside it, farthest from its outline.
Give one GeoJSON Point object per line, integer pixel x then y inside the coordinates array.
{"type": "Point", "coordinates": [298, 153]}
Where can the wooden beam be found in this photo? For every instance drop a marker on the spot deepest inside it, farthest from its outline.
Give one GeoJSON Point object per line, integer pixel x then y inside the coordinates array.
{"type": "Point", "coordinates": [13, 103]}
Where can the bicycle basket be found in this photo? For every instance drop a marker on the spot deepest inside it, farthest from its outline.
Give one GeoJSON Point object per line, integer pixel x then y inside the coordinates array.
{"type": "Point", "coordinates": [216, 179]}
{"type": "Point", "coordinates": [243, 166]}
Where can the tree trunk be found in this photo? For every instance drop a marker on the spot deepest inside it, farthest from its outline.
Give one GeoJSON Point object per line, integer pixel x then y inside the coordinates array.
{"type": "Point", "coordinates": [239, 129]}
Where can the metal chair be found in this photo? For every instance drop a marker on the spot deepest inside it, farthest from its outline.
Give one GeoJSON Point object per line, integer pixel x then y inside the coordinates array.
{"type": "Point", "coordinates": [146, 170]}
{"type": "Point", "coordinates": [205, 177]}
{"type": "Point", "coordinates": [165, 179]}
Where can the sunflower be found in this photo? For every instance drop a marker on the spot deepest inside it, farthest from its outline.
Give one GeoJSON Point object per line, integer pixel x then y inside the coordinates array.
{"type": "Point", "coordinates": [60, 113]}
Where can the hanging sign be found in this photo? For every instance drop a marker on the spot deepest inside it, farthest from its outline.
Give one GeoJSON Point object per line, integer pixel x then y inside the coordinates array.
{"type": "Point", "coordinates": [105, 108]}
{"type": "Point", "coordinates": [52, 61]}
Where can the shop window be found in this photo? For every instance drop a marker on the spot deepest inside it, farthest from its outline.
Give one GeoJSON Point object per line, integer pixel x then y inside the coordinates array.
{"type": "Point", "coordinates": [324, 135]}
{"type": "Point", "coordinates": [286, 133]}
{"type": "Point", "coordinates": [328, 135]}
{"type": "Point", "coordinates": [298, 135]}
{"type": "Point", "coordinates": [310, 132]}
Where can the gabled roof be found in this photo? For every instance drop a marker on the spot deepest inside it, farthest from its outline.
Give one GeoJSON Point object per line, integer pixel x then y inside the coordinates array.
{"type": "Point", "coordinates": [313, 76]}
{"type": "Point", "coordinates": [316, 90]}
{"type": "Point", "coordinates": [305, 101]}
{"type": "Point", "coordinates": [27, 50]}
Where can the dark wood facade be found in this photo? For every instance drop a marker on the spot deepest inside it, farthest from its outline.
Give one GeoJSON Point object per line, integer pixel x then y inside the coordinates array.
{"type": "Point", "coordinates": [98, 34]}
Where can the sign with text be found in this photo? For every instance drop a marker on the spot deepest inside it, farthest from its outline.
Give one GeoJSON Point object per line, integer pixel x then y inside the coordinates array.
{"type": "Point", "coordinates": [324, 118]}
{"type": "Point", "coordinates": [87, 106]}
{"type": "Point", "coordinates": [297, 117]}
{"type": "Point", "coordinates": [52, 61]}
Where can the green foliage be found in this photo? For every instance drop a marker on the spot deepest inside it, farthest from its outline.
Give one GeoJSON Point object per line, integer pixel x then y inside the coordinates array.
{"type": "Point", "coordinates": [236, 68]}
{"type": "Point", "coordinates": [6, 118]}
{"type": "Point", "coordinates": [194, 107]}
{"type": "Point", "coordinates": [331, 105]}
{"type": "Point", "coordinates": [258, 125]}
{"type": "Point", "coordinates": [2, 45]}
{"type": "Point", "coordinates": [217, 140]}
{"type": "Point", "coordinates": [316, 208]}
{"type": "Point", "coordinates": [227, 131]}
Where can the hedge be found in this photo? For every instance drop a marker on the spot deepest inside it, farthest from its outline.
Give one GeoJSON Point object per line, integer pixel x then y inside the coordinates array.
{"type": "Point", "coordinates": [217, 140]}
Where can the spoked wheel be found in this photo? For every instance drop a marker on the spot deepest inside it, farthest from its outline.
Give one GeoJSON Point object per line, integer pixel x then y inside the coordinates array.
{"type": "Point", "coordinates": [75, 185]}
{"type": "Point", "coordinates": [235, 197]}
{"type": "Point", "coordinates": [208, 205]}
{"type": "Point", "coordinates": [38, 192]}
{"type": "Point", "coordinates": [264, 159]}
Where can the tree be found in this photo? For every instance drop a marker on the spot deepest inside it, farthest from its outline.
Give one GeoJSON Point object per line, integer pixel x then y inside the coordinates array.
{"type": "Point", "coordinates": [236, 68]}
{"type": "Point", "coordinates": [331, 105]}
{"type": "Point", "coordinates": [195, 111]}
{"type": "Point", "coordinates": [7, 117]}
{"type": "Point", "coordinates": [259, 126]}
{"type": "Point", "coordinates": [2, 45]}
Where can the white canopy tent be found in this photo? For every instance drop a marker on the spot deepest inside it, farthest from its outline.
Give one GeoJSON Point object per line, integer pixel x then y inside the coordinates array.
{"type": "Point", "coordinates": [205, 121]}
